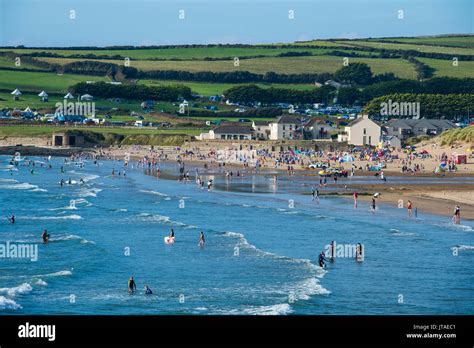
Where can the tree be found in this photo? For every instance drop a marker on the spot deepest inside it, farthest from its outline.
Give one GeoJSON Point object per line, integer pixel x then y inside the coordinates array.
{"type": "Point", "coordinates": [355, 73]}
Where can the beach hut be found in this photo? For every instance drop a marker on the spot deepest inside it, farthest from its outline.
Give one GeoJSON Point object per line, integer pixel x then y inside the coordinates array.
{"type": "Point", "coordinates": [16, 94]}
{"type": "Point", "coordinates": [44, 96]}
{"type": "Point", "coordinates": [68, 96]}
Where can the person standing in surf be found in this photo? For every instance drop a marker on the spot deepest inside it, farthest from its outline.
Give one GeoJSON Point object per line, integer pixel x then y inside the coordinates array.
{"type": "Point", "coordinates": [201, 239]}
{"type": "Point", "coordinates": [355, 195]}
{"type": "Point", "coordinates": [131, 286]}
{"type": "Point", "coordinates": [322, 259]}
{"type": "Point", "coordinates": [457, 215]}
{"type": "Point", "coordinates": [409, 208]}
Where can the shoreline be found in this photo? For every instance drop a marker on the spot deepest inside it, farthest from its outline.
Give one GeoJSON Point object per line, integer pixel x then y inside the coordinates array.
{"type": "Point", "coordinates": [438, 199]}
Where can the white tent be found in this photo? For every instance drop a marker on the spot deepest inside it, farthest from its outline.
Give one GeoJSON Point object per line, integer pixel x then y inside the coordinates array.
{"type": "Point", "coordinates": [27, 109]}
{"type": "Point", "coordinates": [68, 96]}
{"type": "Point", "coordinates": [16, 92]}
{"type": "Point", "coordinates": [87, 97]}
{"type": "Point", "coordinates": [43, 94]}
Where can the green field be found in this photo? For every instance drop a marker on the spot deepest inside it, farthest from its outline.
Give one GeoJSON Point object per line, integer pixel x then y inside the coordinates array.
{"type": "Point", "coordinates": [10, 63]}
{"type": "Point", "coordinates": [281, 65]}
{"type": "Point", "coordinates": [446, 67]}
{"type": "Point", "coordinates": [174, 53]}
{"type": "Point", "coordinates": [208, 89]}
{"type": "Point", "coordinates": [402, 46]}
{"type": "Point", "coordinates": [459, 41]}
{"type": "Point", "coordinates": [38, 81]}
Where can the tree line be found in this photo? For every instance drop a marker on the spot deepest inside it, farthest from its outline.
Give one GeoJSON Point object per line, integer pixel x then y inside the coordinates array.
{"type": "Point", "coordinates": [136, 92]}
{"type": "Point", "coordinates": [450, 106]}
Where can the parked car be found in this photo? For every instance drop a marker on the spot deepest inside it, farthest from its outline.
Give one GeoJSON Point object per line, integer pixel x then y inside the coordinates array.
{"type": "Point", "coordinates": [316, 165]}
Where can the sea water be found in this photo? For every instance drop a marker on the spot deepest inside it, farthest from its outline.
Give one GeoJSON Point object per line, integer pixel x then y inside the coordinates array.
{"type": "Point", "coordinates": [260, 255]}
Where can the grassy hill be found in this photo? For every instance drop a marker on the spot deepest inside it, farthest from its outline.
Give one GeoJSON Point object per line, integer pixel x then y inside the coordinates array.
{"type": "Point", "coordinates": [319, 56]}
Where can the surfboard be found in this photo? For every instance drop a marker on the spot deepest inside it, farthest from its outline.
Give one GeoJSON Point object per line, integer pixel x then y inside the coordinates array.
{"type": "Point", "coordinates": [169, 240]}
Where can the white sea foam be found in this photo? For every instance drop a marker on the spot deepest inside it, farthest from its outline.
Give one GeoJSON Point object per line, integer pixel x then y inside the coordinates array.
{"type": "Point", "coordinates": [66, 217]}
{"type": "Point", "coordinates": [396, 232]}
{"type": "Point", "coordinates": [243, 243]}
{"type": "Point", "coordinates": [57, 274]}
{"type": "Point", "coordinates": [41, 282]}
{"type": "Point", "coordinates": [164, 220]}
{"type": "Point", "coordinates": [89, 192]}
{"type": "Point", "coordinates": [154, 193]}
{"type": "Point", "coordinates": [278, 309]}
{"type": "Point", "coordinates": [17, 290]}
{"type": "Point", "coordinates": [8, 304]}
{"type": "Point", "coordinates": [8, 180]}
{"type": "Point", "coordinates": [463, 247]}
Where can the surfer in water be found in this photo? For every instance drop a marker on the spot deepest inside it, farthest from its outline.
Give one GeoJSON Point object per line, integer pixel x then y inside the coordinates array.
{"type": "Point", "coordinates": [45, 236]}
{"type": "Point", "coordinates": [148, 290]}
{"type": "Point", "coordinates": [322, 259]}
{"type": "Point", "coordinates": [131, 286]}
{"type": "Point", "coordinates": [171, 234]}
{"type": "Point", "coordinates": [11, 219]}
{"type": "Point", "coordinates": [201, 239]}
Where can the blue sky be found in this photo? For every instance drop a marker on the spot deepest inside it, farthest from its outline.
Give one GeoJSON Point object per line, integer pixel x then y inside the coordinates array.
{"type": "Point", "coordinates": [152, 22]}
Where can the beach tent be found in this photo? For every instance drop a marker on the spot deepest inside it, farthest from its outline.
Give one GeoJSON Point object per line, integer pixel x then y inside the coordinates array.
{"type": "Point", "coordinates": [16, 94]}
{"type": "Point", "coordinates": [87, 97]}
{"type": "Point", "coordinates": [44, 96]}
{"type": "Point", "coordinates": [460, 159]}
{"type": "Point", "coordinates": [27, 109]}
{"type": "Point", "coordinates": [68, 96]}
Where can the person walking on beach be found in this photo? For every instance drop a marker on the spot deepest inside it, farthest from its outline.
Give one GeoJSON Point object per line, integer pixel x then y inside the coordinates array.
{"type": "Point", "coordinates": [457, 214]}
{"type": "Point", "coordinates": [410, 208]}
{"type": "Point", "coordinates": [131, 286]}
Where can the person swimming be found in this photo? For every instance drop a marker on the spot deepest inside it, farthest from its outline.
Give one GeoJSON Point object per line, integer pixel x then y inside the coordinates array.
{"type": "Point", "coordinates": [131, 285]}
{"type": "Point", "coordinates": [322, 259]}
{"type": "Point", "coordinates": [45, 236]}
{"type": "Point", "coordinates": [148, 290]}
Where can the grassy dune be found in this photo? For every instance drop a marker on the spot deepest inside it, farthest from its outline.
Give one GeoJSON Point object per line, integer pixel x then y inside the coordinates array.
{"type": "Point", "coordinates": [465, 135]}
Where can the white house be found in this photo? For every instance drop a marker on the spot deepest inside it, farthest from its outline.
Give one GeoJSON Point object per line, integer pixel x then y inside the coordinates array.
{"type": "Point", "coordinates": [363, 131]}
{"type": "Point", "coordinates": [261, 129]}
{"type": "Point", "coordinates": [286, 127]}
{"type": "Point", "coordinates": [230, 132]}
